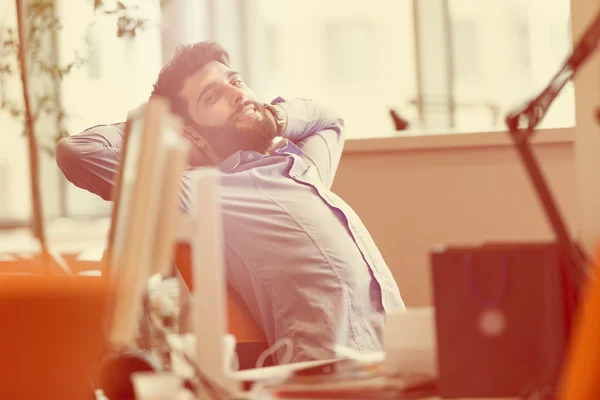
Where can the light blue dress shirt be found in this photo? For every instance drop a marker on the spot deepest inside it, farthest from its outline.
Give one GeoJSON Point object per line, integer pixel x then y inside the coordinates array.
{"type": "Point", "coordinates": [299, 256]}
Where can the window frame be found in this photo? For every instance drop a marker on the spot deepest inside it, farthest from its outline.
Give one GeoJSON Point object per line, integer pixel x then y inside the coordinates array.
{"type": "Point", "coordinates": [438, 138]}
{"type": "Point", "coordinates": [411, 141]}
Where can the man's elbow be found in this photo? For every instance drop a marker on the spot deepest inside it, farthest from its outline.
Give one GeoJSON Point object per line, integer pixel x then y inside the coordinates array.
{"type": "Point", "coordinates": [329, 118]}
{"type": "Point", "coordinates": [340, 127]}
{"type": "Point", "coordinates": [67, 156]}
{"type": "Point", "coordinates": [74, 156]}
{"type": "Point", "coordinates": [336, 121]}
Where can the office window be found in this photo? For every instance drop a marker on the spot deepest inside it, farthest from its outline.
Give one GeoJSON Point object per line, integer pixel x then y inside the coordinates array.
{"type": "Point", "coordinates": [518, 57]}
{"type": "Point", "coordinates": [501, 53]}
{"type": "Point", "coordinates": [119, 78]}
{"type": "Point", "coordinates": [466, 53]}
{"type": "Point", "coordinates": [360, 57]}
{"type": "Point", "coordinates": [93, 52]}
{"type": "Point", "coordinates": [15, 203]}
{"type": "Point", "coordinates": [273, 45]}
{"type": "Point", "coordinates": [522, 47]}
{"type": "Point", "coordinates": [349, 52]}
{"type": "Point", "coordinates": [354, 55]}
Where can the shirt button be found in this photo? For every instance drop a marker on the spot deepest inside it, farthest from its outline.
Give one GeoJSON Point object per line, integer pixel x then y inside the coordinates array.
{"type": "Point", "coordinates": [250, 157]}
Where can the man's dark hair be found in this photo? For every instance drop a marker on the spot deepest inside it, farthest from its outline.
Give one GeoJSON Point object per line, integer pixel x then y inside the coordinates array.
{"type": "Point", "coordinates": [187, 60]}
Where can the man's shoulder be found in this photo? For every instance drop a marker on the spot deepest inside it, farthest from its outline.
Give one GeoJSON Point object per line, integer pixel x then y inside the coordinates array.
{"type": "Point", "coordinates": [117, 125]}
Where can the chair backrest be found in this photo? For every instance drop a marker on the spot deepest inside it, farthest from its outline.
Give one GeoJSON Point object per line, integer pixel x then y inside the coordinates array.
{"type": "Point", "coordinates": [239, 320]}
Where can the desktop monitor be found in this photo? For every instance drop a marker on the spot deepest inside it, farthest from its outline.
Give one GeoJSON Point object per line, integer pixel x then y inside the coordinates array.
{"type": "Point", "coordinates": [145, 197]}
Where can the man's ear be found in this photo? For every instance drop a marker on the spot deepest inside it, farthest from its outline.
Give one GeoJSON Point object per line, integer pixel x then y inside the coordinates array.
{"type": "Point", "coordinates": [202, 146]}
{"type": "Point", "coordinates": [194, 136]}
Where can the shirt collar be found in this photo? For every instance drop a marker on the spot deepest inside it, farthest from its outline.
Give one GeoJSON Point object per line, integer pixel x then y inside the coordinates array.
{"type": "Point", "coordinates": [231, 162]}
{"type": "Point", "coordinates": [239, 158]}
{"type": "Point", "coordinates": [246, 157]}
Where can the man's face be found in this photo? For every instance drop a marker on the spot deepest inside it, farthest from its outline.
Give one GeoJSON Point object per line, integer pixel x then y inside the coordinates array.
{"type": "Point", "coordinates": [225, 111]}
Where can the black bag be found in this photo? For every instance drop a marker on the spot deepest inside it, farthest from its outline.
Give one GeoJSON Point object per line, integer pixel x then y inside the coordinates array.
{"type": "Point", "coordinates": [502, 318]}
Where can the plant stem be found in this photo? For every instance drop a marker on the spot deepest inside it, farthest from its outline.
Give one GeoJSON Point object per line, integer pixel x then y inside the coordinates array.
{"type": "Point", "coordinates": [34, 169]}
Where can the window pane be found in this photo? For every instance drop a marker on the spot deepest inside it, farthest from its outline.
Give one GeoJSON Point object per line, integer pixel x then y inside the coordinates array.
{"type": "Point", "coordinates": [356, 56]}
{"type": "Point", "coordinates": [361, 58]}
{"type": "Point", "coordinates": [117, 77]}
{"type": "Point", "coordinates": [349, 49]}
{"type": "Point", "coordinates": [511, 49]}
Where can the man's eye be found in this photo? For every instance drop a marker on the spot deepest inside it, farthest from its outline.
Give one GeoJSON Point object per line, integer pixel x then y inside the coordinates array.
{"type": "Point", "coordinates": [210, 98]}
{"type": "Point", "coordinates": [237, 82]}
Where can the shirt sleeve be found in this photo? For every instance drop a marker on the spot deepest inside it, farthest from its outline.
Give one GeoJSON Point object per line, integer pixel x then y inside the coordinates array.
{"type": "Point", "coordinates": [90, 159]}
{"type": "Point", "coordinates": [317, 131]}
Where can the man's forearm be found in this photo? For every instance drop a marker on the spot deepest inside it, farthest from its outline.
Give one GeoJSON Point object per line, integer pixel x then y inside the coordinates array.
{"type": "Point", "coordinates": [304, 118]}
{"type": "Point", "coordinates": [318, 132]}
{"type": "Point", "coordinates": [90, 160]}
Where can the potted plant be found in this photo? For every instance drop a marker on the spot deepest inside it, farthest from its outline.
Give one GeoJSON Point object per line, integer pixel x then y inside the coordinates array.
{"type": "Point", "coordinates": [23, 47]}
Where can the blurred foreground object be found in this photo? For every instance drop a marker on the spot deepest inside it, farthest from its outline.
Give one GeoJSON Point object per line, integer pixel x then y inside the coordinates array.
{"type": "Point", "coordinates": [582, 358]}
{"type": "Point", "coordinates": [51, 339]}
{"type": "Point", "coordinates": [580, 379]}
{"type": "Point", "coordinates": [140, 241]}
{"type": "Point", "coordinates": [501, 319]}
{"type": "Point", "coordinates": [522, 123]}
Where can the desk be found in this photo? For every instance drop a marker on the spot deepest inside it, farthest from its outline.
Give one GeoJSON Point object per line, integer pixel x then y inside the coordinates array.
{"type": "Point", "coordinates": [472, 398]}
{"type": "Point", "coordinates": [30, 263]}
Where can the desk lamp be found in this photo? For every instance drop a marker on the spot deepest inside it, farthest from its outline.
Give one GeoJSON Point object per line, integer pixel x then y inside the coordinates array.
{"type": "Point", "coordinates": [583, 359]}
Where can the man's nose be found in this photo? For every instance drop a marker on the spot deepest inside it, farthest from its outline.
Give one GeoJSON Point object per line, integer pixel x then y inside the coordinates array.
{"type": "Point", "coordinates": [237, 96]}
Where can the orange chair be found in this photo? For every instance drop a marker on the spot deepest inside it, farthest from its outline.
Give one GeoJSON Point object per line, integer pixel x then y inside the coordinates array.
{"type": "Point", "coordinates": [240, 322]}
{"type": "Point", "coordinates": [251, 340]}
{"type": "Point", "coordinates": [580, 372]}
{"type": "Point", "coordinates": [51, 339]}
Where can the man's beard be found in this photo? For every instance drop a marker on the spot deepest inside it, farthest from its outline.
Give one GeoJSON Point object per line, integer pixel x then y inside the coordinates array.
{"type": "Point", "coordinates": [230, 138]}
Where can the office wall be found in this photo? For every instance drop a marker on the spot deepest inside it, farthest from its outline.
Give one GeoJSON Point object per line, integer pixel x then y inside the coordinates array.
{"type": "Point", "coordinates": [414, 198]}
